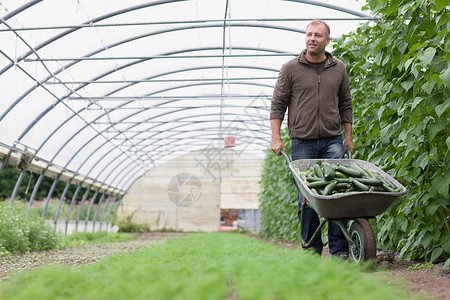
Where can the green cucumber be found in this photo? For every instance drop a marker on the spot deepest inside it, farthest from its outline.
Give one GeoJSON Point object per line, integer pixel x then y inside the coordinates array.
{"type": "Point", "coordinates": [329, 188]}
{"type": "Point", "coordinates": [338, 174]}
{"type": "Point", "coordinates": [376, 189]}
{"type": "Point", "coordinates": [360, 169]}
{"type": "Point", "coordinates": [318, 184]}
{"type": "Point", "coordinates": [388, 188]}
{"type": "Point", "coordinates": [343, 180]}
{"type": "Point", "coordinates": [313, 179]}
{"type": "Point", "coordinates": [371, 181]}
{"type": "Point", "coordinates": [359, 185]}
{"type": "Point", "coordinates": [342, 185]}
{"type": "Point", "coordinates": [328, 172]}
{"type": "Point", "coordinates": [318, 170]}
{"type": "Point", "coordinates": [371, 174]}
{"type": "Point", "coordinates": [349, 171]}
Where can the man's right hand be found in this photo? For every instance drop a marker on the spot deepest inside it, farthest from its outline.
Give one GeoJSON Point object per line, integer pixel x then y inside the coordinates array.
{"type": "Point", "coordinates": [277, 144]}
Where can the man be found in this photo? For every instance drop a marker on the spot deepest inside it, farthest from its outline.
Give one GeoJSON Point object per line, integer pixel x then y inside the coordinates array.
{"type": "Point", "coordinates": [314, 88]}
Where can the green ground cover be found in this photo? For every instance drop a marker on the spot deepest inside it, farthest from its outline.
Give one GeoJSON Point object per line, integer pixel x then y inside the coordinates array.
{"type": "Point", "coordinates": [204, 266]}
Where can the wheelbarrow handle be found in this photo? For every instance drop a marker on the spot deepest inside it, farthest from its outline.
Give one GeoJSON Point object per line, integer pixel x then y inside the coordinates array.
{"type": "Point", "coordinates": [349, 153]}
{"type": "Point", "coordinates": [286, 156]}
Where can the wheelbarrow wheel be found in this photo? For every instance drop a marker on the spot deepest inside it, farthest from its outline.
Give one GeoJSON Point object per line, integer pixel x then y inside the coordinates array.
{"type": "Point", "coordinates": [365, 245]}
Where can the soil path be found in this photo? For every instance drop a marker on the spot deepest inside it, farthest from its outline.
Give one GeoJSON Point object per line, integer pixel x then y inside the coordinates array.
{"type": "Point", "coordinates": [433, 283]}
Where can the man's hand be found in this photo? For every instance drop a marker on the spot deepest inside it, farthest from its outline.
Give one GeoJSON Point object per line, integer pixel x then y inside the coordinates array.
{"type": "Point", "coordinates": [348, 141]}
{"type": "Point", "coordinates": [277, 144]}
{"type": "Point", "coordinates": [348, 144]}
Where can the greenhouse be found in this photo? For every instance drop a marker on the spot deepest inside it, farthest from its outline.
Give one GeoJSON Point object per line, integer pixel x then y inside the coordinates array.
{"type": "Point", "coordinates": [155, 115]}
{"type": "Point", "coordinates": [113, 100]}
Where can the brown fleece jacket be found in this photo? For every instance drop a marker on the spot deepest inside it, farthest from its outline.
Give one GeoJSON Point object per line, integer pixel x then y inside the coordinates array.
{"type": "Point", "coordinates": [317, 104]}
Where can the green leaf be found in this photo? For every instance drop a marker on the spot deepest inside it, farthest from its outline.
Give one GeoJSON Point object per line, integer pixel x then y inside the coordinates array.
{"type": "Point", "coordinates": [441, 108]}
{"type": "Point", "coordinates": [422, 161]}
{"type": "Point", "coordinates": [440, 184]}
{"type": "Point", "coordinates": [407, 85]}
{"type": "Point", "coordinates": [416, 102]}
{"type": "Point", "coordinates": [445, 77]}
{"type": "Point", "coordinates": [447, 141]}
{"type": "Point", "coordinates": [436, 253]}
{"type": "Point", "coordinates": [441, 4]}
{"type": "Point", "coordinates": [433, 129]}
{"type": "Point", "coordinates": [447, 263]}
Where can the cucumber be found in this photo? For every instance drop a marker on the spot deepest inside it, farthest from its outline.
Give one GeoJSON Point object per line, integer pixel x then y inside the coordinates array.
{"type": "Point", "coordinates": [343, 180]}
{"type": "Point", "coordinates": [388, 188]}
{"type": "Point", "coordinates": [342, 185]}
{"type": "Point", "coordinates": [371, 174]}
{"type": "Point", "coordinates": [314, 191]}
{"type": "Point", "coordinates": [328, 172]}
{"type": "Point", "coordinates": [329, 188]}
{"type": "Point", "coordinates": [318, 184]}
{"type": "Point", "coordinates": [360, 169]}
{"type": "Point", "coordinates": [349, 171]}
{"type": "Point", "coordinates": [338, 174]}
{"type": "Point", "coordinates": [313, 179]}
{"type": "Point", "coordinates": [376, 189]}
{"type": "Point", "coordinates": [318, 170]}
{"type": "Point", "coordinates": [360, 186]}
{"type": "Point", "coordinates": [370, 181]}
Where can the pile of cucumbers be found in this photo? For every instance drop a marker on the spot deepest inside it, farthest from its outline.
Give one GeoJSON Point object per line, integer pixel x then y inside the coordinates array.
{"type": "Point", "coordinates": [325, 178]}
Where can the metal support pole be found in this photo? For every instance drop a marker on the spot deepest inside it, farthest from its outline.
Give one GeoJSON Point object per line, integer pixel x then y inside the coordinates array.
{"type": "Point", "coordinates": [35, 189]}
{"type": "Point", "coordinates": [72, 202]}
{"type": "Point", "coordinates": [49, 196]}
{"type": "Point", "coordinates": [89, 210]}
{"type": "Point", "coordinates": [81, 207]}
{"type": "Point", "coordinates": [16, 187]}
{"type": "Point", "coordinates": [97, 210]}
{"type": "Point", "coordinates": [104, 212]}
{"type": "Point", "coordinates": [109, 212]}
{"type": "Point", "coordinates": [61, 200]}
{"type": "Point", "coordinates": [115, 210]}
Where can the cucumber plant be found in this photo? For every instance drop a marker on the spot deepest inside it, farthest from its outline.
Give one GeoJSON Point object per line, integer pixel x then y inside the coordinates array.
{"type": "Point", "coordinates": [399, 74]}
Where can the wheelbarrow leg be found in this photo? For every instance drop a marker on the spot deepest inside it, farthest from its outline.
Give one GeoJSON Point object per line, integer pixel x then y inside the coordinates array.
{"type": "Point", "coordinates": [315, 234]}
{"type": "Point", "coordinates": [345, 233]}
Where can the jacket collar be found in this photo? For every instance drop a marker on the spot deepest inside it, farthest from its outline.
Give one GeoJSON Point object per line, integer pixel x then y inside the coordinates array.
{"type": "Point", "coordinates": [331, 60]}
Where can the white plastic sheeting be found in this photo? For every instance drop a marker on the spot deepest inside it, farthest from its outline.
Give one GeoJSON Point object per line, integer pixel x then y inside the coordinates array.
{"type": "Point", "coordinates": [108, 89]}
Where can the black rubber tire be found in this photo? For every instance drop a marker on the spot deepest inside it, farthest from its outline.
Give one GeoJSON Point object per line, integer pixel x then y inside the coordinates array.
{"type": "Point", "coordinates": [362, 234]}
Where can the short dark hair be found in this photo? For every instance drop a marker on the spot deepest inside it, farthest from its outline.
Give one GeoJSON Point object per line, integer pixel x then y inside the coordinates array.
{"type": "Point", "coordinates": [317, 22]}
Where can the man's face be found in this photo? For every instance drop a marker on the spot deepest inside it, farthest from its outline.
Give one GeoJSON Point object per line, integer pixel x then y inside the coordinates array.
{"type": "Point", "coordinates": [316, 39]}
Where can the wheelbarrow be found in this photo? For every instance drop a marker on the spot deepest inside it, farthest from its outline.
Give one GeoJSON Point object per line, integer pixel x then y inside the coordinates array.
{"type": "Point", "coordinates": [356, 207]}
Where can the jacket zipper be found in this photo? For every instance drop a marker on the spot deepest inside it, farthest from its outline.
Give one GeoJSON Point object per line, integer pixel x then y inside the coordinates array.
{"type": "Point", "coordinates": [318, 106]}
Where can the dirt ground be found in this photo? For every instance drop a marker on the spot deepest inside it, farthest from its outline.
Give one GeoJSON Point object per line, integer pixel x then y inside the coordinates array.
{"type": "Point", "coordinates": [433, 283]}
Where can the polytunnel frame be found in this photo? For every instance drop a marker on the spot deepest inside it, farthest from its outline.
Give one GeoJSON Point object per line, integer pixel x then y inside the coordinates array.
{"type": "Point", "coordinates": [105, 74]}
{"type": "Point", "coordinates": [60, 100]}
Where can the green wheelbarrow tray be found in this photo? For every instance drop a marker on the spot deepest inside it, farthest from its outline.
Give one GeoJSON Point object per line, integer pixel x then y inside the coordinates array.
{"type": "Point", "coordinates": [356, 206]}
{"type": "Point", "coordinates": [345, 205]}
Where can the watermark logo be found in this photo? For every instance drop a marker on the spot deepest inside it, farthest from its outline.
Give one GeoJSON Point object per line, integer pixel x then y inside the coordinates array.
{"type": "Point", "coordinates": [184, 189]}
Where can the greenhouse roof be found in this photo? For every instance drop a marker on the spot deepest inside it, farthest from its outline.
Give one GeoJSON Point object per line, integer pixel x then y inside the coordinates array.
{"type": "Point", "coordinates": [103, 91]}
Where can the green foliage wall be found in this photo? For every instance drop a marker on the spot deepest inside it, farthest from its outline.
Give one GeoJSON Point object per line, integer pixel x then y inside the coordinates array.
{"type": "Point", "coordinates": [279, 197]}
{"type": "Point", "coordinates": [398, 68]}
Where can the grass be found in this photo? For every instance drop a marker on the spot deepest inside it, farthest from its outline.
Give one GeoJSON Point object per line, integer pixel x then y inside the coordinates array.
{"type": "Point", "coordinates": [82, 238]}
{"type": "Point", "coordinates": [204, 266]}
